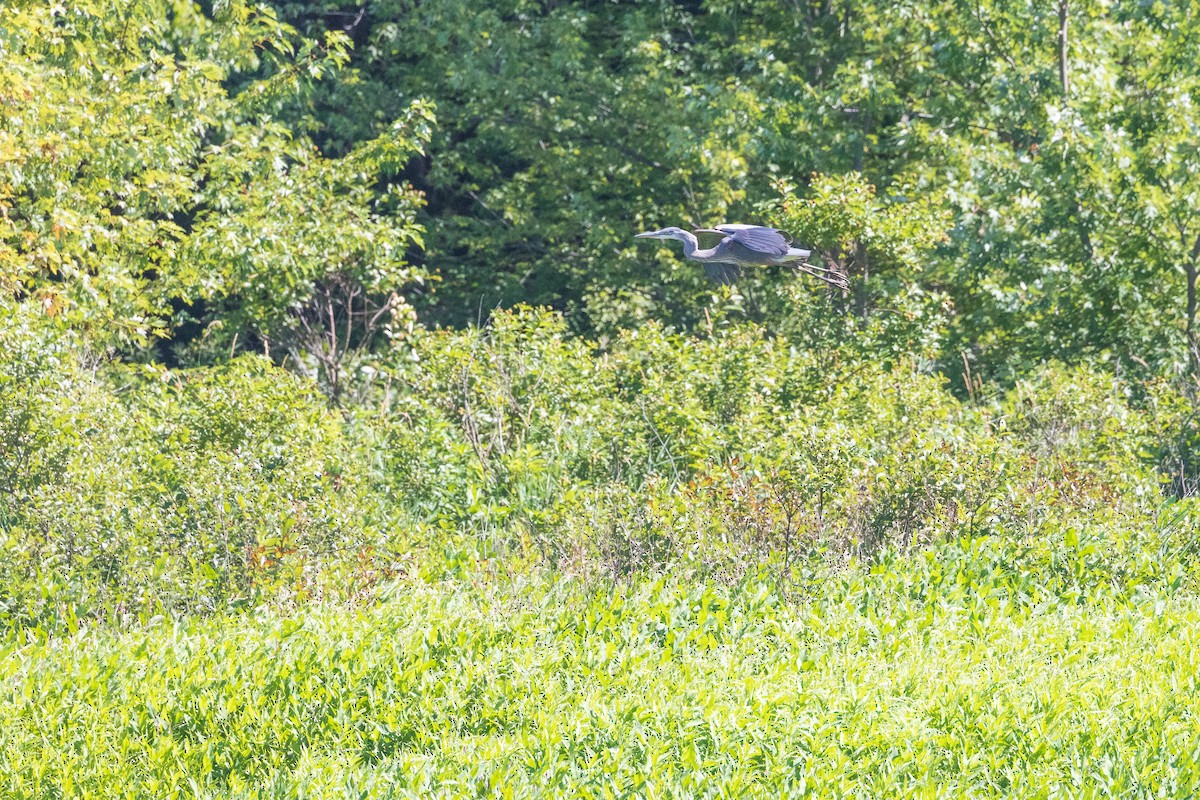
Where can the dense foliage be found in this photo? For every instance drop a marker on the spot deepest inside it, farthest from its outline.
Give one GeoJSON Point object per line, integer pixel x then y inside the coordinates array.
{"type": "Point", "coordinates": [349, 444]}
{"type": "Point", "coordinates": [1058, 138]}
{"type": "Point", "coordinates": [153, 193]}
{"type": "Point", "coordinates": [160, 175]}
{"type": "Point", "coordinates": [136, 490]}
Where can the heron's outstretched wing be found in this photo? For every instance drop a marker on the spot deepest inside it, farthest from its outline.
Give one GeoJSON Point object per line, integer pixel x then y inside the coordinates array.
{"type": "Point", "coordinates": [767, 241]}
{"type": "Point", "coordinates": [722, 272]}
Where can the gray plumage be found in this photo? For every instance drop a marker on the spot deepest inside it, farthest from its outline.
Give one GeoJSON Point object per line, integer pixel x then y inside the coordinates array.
{"type": "Point", "coordinates": [742, 245]}
{"type": "Point", "coordinates": [754, 238]}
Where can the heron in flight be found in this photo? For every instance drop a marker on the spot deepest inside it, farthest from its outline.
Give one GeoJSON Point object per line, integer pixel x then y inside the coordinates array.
{"type": "Point", "coordinates": [744, 246]}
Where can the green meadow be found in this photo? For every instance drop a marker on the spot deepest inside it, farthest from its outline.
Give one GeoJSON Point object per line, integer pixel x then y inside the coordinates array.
{"type": "Point", "coordinates": [959, 673]}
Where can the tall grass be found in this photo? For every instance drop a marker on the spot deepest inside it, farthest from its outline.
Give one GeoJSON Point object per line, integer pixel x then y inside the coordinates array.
{"type": "Point", "coordinates": [969, 670]}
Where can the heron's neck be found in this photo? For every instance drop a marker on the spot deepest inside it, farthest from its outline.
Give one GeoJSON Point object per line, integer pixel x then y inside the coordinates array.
{"type": "Point", "coordinates": [691, 248]}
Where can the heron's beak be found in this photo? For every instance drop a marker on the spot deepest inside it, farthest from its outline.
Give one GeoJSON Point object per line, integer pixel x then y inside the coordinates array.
{"type": "Point", "coordinates": [647, 235]}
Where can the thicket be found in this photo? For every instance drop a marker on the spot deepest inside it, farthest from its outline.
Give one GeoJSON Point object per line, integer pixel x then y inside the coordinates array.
{"type": "Point", "coordinates": [131, 491]}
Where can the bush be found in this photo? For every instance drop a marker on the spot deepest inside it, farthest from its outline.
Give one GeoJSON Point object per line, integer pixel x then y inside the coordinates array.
{"type": "Point", "coordinates": [140, 491]}
{"type": "Point", "coordinates": [739, 446]}
{"type": "Point", "coordinates": [135, 490]}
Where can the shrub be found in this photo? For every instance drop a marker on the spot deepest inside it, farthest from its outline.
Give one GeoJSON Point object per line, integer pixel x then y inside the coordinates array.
{"type": "Point", "coordinates": [133, 492]}
{"type": "Point", "coordinates": [739, 445]}
{"type": "Point", "coordinates": [729, 453]}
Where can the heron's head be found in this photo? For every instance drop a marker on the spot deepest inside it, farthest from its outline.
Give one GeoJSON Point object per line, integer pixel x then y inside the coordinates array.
{"type": "Point", "coordinates": [665, 233]}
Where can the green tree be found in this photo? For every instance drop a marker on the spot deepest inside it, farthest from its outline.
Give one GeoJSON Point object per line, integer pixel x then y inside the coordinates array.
{"type": "Point", "coordinates": [1057, 134]}
{"type": "Point", "coordinates": [147, 180]}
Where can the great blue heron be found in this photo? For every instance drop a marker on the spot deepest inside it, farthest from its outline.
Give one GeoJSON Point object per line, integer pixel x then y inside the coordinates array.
{"type": "Point", "coordinates": [742, 246]}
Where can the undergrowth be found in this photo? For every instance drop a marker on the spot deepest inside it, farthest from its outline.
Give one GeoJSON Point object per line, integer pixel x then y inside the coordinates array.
{"type": "Point", "coordinates": [135, 491]}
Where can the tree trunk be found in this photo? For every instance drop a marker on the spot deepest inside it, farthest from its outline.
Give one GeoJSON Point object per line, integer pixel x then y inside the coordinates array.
{"type": "Point", "coordinates": [861, 299]}
{"type": "Point", "coordinates": [1064, 74]}
{"type": "Point", "coordinates": [1190, 271]}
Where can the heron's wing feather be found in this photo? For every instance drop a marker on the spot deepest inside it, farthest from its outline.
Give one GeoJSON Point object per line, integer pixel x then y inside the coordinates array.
{"type": "Point", "coordinates": [722, 272]}
{"type": "Point", "coordinates": [767, 241]}
{"type": "Point", "coordinates": [731, 249]}
{"type": "Point", "coordinates": [730, 227]}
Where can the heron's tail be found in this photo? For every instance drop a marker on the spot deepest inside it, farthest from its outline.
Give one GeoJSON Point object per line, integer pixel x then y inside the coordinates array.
{"type": "Point", "coordinates": [798, 253]}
